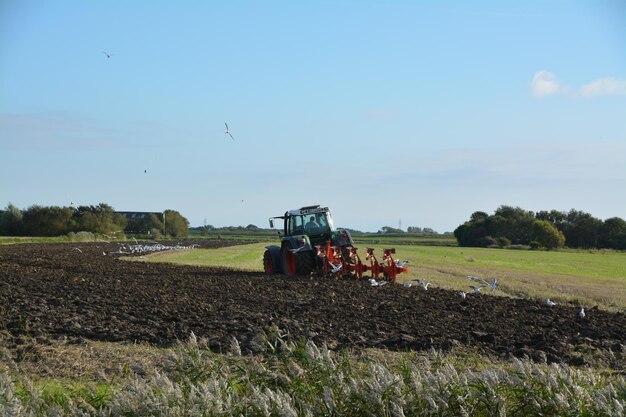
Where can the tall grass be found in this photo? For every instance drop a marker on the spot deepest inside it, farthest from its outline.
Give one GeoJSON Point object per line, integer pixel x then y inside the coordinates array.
{"type": "Point", "coordinates": [303, 379]}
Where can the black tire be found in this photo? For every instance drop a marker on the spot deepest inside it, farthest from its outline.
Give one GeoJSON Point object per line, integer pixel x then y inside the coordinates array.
{"type": "Point", "coordinates": [299, 263]}
{"type": "Point", "coordinates": [305, 264]}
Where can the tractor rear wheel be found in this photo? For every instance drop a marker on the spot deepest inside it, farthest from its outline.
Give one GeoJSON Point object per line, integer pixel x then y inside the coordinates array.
{"type": "Point", "coordinates": [305, 264]}
{"type": "Point", "coordinates": [299, 263]}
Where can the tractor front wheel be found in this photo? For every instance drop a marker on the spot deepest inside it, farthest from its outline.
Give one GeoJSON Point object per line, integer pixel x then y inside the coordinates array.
{"type": "Point", "coordinates": [267, 262]}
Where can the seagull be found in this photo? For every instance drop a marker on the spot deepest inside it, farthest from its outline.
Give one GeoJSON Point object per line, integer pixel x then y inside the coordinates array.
{"type": "Point", "coordinates": [407, 285]}
{"type": "Point", "coordinates": [550, 302]}
{"type": "Point", "coordinates": [491, 285]}
{"type": "Point", "coordinates": [476, 289]}
{"type": "Point", "coordinates": [462, 294]}
{"type": "Point", "coordinates": [77, 249]}
{"type": "Point", "coordinates": [108, 55]}
{"type": "Point", "coordinates": [400, 264]}
{"type": "Point", "coordinates": [373, 282]}
{"type": "Point", "coordinates": [423, 284]}
{"type": "Point", "coordinates": [581, 313]}
{"type": "Point", "coordinates": [336, 268]}
{"type": "Point", "coordinates": [226, 132]}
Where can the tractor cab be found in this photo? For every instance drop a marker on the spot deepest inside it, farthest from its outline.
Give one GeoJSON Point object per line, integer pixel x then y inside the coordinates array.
{"type": "Point", "coordinates": [312, 221]}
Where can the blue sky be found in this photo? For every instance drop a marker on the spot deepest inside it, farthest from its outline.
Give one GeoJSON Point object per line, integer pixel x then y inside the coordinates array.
{"type": "Point", "coordinates": [387, 112]}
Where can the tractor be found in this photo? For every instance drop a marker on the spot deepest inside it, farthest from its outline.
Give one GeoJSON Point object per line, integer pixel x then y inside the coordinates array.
{"type": "Point", "coordinates": [311, 244]}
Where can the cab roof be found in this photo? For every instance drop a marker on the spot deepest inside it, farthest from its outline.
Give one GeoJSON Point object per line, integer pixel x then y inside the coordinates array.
{"type": "Point", "coordinates": [308, 210]}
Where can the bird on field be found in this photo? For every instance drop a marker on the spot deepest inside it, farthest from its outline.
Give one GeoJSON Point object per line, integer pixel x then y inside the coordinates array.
{"type": "Point", "coordinates": [476, 289]}
{"type": "Point", "coordinates": [407, 285]}
{"type": "Point", "coordinates": [581, 313]}
{"type": "Point", "coordinates": [550, 303]}
{"type": "Point", "coordinates": [227, 132]}
{"type": "Point", "coordinates": [77, 249]}
{"type": "Point", "coordinates": [423, 284]}
{"type": "Point", "coordinates": [462, 294]}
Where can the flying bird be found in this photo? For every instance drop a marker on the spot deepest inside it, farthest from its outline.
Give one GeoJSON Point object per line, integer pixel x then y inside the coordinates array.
{"type": "Point", "coordinates": [550, 302]}
{"type": "Point", "coordinates": [108, 55]}
{"type": "Point", "coordinates": [336, 268]}
{"type": "Point", "coordinates": [491, 285]}
{"type": "Point", "coordinates": [226, 132]}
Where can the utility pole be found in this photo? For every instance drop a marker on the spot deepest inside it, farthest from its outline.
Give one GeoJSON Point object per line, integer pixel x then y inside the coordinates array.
{"type": "Point", "coordinates": [164, 233]}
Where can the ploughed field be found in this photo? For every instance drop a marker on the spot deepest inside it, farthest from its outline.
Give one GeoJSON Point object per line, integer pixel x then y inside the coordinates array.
{"type": "Point", "coordinates": [84, 291]}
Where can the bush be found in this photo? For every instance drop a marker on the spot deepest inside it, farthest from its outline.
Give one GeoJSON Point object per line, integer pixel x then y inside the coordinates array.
{"type": "Point", "coordinates": [503, 242]}
{"type": "Point", "coordinates": [156, 233]}
{"type": "Point", "coordinates": [518, 247]}
{"type": "Point", "coordinates": [547, 235]}
{"type": "Point", "coordinates": [81, 237]}
{"type": "Point", "coordinates": [488, 241]}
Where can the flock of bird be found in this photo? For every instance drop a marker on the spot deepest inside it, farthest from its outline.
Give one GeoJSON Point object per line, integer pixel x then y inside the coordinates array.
{"type": "Point", "coordinates": [463, 294]}
{"type": "Point", "coordinates": [139, 248]}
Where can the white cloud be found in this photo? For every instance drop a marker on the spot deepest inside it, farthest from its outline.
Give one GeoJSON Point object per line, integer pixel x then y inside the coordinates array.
{"type": "Point", "coordinates": [607, 86]}
{"type": "Point", "coordinates": [544, 83]}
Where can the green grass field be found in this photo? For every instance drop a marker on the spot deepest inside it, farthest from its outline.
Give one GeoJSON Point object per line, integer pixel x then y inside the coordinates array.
{"type": "Point", "coordinates": [581, 277]}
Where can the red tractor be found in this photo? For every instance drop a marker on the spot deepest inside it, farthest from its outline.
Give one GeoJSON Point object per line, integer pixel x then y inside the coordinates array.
{"type": "Point", "coordinates": [311, 244]}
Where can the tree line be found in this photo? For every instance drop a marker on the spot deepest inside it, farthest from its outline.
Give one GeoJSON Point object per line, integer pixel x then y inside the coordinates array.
{"type": "Point", "coordinates": [545, 229]}
{"type": "Point", "coordinates": [100, 219]}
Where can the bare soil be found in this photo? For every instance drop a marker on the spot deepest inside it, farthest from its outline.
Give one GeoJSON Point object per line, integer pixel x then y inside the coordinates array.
{"type": "Point", "coordinates": [84, 291]}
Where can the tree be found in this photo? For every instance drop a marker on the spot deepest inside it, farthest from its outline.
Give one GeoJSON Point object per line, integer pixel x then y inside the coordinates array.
{"type": "Point", "coordinates": [99, 219]}
{"type": "Point", "coordinates": [10, 221]}
{"type": "Point", "coordinates": [47, 221]}
{"type": "Point", "coordinates": [175, 224]}
{"type": "Point", "coordinates": [547, 235]}
{"type": "Point", "coordinates": [517, 224]}
{"type": "Point", "coordinates": [613, 234]}
{"type": "Point", "coordinates": [390, 230]}
{"type": "Point", "coordinates": [582, 229]}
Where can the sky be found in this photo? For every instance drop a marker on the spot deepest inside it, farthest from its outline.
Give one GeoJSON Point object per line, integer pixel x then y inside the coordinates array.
{"type": "Point", "coordinates": [391, 113]}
